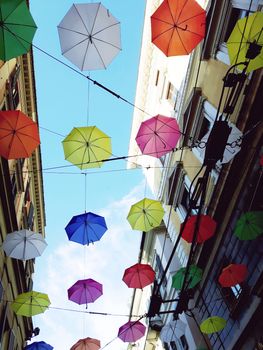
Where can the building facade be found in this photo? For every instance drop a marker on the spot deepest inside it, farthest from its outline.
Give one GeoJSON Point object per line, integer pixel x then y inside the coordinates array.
{"type": "Point", "coordinates": [191, 93]}
{"type": "Point", "coordinates": [21, 202]}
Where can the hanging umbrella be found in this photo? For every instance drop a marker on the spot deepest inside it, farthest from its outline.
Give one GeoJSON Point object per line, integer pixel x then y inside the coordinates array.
{"type": "Point", "coordinates": [19, 135]}
{"type": "Point", "coordinates": [138, 276]}
{"type": "Point", "coordinates": [158, 135]}
{"type": "Point", "coordinates": [85, 291]}
{"type": "Point", "coordinates": [249, 226]}
{"type": "Point", "coordinates": [178, 26]}
{"type": "Point", "coordinates": [24, 244]}
{"type": "Point", "coordinates": [86, 344]}
{"type": "Point", "coordinates": [30, 304]}
{"type": "Point", "coordinates": [17, 29]}
{"type": "Point", "coordinates": [172, 330]}
{"type": "Point", "coordinates": [89, 36]}
{"type": "Point", "coordinates": [233, 145]}
{"type": "Point", "coordinates": [131, 331]}
{"type": "Point", "coordinates": [87, 147]}
{"type": "Point", "coordinates": [86, 228]}
{"type": "Point", "coordinates": [145, 214]}
{"type": "Point", "coordinates": [233, 274]}
{"type": "Point", "coordinates": [246, 37]}
{"type": "Point", "coordinates": [212, 325]}
{"type": "Point", "coordinates": [194, 276]}
{"type": "Point", "coordinates": [206, 229]}
{"type": "Point", "coordinates": [39, 345]}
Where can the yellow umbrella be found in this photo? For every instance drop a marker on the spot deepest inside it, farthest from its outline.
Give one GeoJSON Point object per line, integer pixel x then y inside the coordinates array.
{"type": "Point", "coordinates": [87, 147]}
{"type": "Point", "coordinates": [145, 214]}
{"type": "Point", "coordinates": [30, 304]}
{"type": "Point", "coordinates": [212, 325]}
{"type": "Point", "coordinates": [246, 37]}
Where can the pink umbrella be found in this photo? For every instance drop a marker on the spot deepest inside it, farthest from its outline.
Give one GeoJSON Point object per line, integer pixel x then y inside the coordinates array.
{"type": "Point", "coordinates": [86, 344]}
{"type": "Point", "coordinates": [131, 331]}
{"type": "Point", "coordinates": [85, 291]}
{"type": "Point", "coordinates": [158, 135]}
{"type": "Point", "coordinates": [138, 276]}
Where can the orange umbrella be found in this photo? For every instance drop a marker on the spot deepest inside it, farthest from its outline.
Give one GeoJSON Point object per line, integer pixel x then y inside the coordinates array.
{"type": "Point", "coordinates": [19, 135]}
{"type": "Point", "coordinates": [178, 26]}
{"type": "Point", "coordinates": [86, 344]}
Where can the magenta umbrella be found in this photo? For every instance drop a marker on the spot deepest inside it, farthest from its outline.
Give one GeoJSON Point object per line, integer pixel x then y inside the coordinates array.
{"type": "Point", "coordinates": [131, 331]}
{"type": "Point", "coordinates": [158, 135]}
{"type": "Point", "coordinates": [85, 291]}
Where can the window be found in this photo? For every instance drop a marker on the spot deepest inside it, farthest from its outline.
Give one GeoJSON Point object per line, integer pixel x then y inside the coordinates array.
{"type": "Point", "coordinates": [184, 344]}
{"type": "Point", "coordinates": [157, 77]}
{"type": "Point", "coordinates": [13, 94]}
{"type": "Point", "coordinates": [173, 345]}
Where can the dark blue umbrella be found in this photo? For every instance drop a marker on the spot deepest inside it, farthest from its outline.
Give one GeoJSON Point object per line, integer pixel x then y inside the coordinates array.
{"type": "Point", "coordinates": [86, 228]}
{"type": "Point", "coordinates": [39, 345]}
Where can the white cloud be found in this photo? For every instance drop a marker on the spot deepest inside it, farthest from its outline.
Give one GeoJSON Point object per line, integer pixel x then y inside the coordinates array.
{"type": "Point", "coordinates": [105, 261]}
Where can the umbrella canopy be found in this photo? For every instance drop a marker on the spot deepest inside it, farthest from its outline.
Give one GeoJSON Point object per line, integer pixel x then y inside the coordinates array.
{"type": "Point", "coordinates": [86, 228]}
{"type": "Point", "coordinates": [30, 304]}
{"type": "Point", "coordinates": [39, 345]}
{"type": "Point", "coordinates": [194, 276]}
{"type": "Point", "coordinates": [178, 26]}
{"type": "Point", "coordinates": [172, 330]}
{"type": "Point", "coordinates": [86, 344]}
{"type": "Point", "coordinates": [17, 29]}
{"type": "Point", "coordinates": [233, 274]}
{"type": "Point", "coordinates": [246, 35]}
{"type": "Point", "coordinates": [86, 147]}
{"type": "Point", "coordinates": [131, 331]}
{"type": "Point", "coordinates": [212, 324]}
{"type": "Point", "coordinates": [158, 135]}
{"type": "Point", "coordinates": [139, 276]}
{"type": "Point", "coordinates": [233, 145]}
{"type": "Point", "coordinates": [145, 214]}
{"type": "Point", "coordinates": [89, 36]}
{"type": "Point", "coordinates": [249, 226]}
{"type": "Point", "coordinates": [19, 135]}
{"type": "Point", "coordinates": [24, 244]}
{"type": "Point", "coordinates": [85, 291]}
{"type": "Point", "coordinates": [206, 229]}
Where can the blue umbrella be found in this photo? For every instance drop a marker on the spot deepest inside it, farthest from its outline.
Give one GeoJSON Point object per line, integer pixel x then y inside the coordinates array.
{"type": "Point", "coordinates": [39, 345]}
{"type": "Point", "coordinates": [86, 228]}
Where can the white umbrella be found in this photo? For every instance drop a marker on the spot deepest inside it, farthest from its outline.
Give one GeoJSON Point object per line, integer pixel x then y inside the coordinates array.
{"type": "Point", "coordinates": [232, 148]}
{"type": "Point", "coordinates": [89, 36]}
{"type": "Point", "coordinates": [172, 330]}
{"type": "Point", "coordinates": [24, 244]}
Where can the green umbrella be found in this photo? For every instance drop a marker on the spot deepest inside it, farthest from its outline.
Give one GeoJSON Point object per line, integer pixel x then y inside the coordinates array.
{"type": "Point", "coordinates": [194, 276]}
{"type": "Point", "coordinates": [86, 147]}
{"type": "Point", "coordinates": [145, 214]}
{"type": "Point", "coordinates": [212, 325]}
{"type": "Point", "coordinates": [30, 303]}
{"type": "Point", "coordinates": [247, 34]}
{"type": "Point", "coordinates": [17, 29]}
{"type": "Point", "coordinates": [249, 226]}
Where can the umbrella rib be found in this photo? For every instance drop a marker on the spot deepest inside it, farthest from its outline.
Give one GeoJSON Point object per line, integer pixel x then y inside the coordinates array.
{"type": "Point", "coordinates": [187, 19]}
{"type": "Point", "coordinates": [20, 24]}
{"type": "Point", "coordinates": [178, 33]}
{"type": "Point", "coordinates": [81, 19]}
{"type": "Point", "coordinates": [95, 18]}
{"type": "Point", "coordinates": [18, 38]}
{"type": "Point", "coordinates": [106, 42]}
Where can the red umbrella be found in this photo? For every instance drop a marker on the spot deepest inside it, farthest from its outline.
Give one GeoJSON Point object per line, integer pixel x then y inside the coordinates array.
{"type": "Point", "coordinates": [206, 230]}
{"type": "Point", "coordinates": [86, 344]}
{"type": "Point", "coordinates": [233, 274]}
{"type": "Point", "coordinates": [138, 276]}
{"type": "Point", "coordinates": [178, 26]}
{"type": "Point", "coordinates": [131, 331]}
{"type": "Point", "coordinates": [19, 135]}
{"type": "Point", "coordinates": [158, 135]}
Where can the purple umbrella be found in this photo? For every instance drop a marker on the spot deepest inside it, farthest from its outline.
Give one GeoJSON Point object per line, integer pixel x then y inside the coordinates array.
{"type": "Point", "coordinates": [131, 331]}
{"type": "Point", "coordinates": [85, 291]}
{"type": "Point", "coordinates": [158, 135]}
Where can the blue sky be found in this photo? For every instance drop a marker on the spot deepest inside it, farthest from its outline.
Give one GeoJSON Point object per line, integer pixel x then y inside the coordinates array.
{"type": "Point", "coordinates": [63, 100]}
